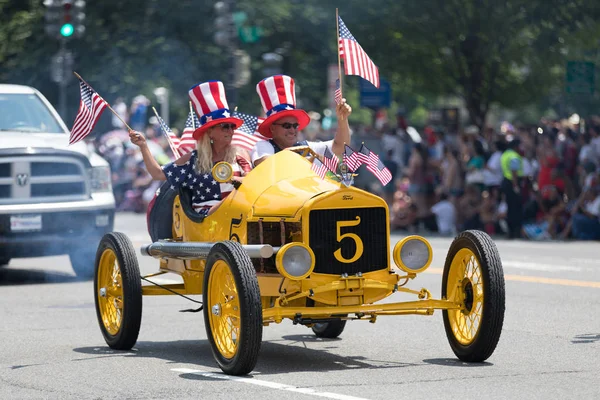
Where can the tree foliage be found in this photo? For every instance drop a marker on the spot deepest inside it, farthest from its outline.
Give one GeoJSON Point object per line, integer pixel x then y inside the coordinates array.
{"type": "Point", "coordinates": [510, 53]}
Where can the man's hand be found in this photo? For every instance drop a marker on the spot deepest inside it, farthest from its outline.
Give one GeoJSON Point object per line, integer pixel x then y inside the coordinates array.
{"type": "Point", "coordinates": [343, 110]}
{"type": "Point", "coordinates": [137, 138]}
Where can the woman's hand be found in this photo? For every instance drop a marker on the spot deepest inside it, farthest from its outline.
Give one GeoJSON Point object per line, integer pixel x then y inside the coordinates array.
{"type": "Point", "coordinates": [137, 138]}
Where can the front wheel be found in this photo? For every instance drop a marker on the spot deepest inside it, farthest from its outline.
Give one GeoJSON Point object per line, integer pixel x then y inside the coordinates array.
{"type": "Point", "coordinates": [232, 308]}
{"type": "Point", "coordinates": [474, 278]}
{"type": "Point", "coordinates": [118, 291]}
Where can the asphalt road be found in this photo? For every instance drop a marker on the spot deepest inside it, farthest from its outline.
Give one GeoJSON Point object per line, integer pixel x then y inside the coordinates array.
{"type": "Point", "coordinates": [51, 346]}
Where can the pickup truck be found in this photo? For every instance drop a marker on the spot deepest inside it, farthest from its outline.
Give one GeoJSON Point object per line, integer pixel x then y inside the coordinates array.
{"type": "Point", "coordinates": [55, 198]}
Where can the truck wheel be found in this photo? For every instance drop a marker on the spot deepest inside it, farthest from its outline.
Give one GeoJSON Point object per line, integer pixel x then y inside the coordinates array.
{"type": "Point", "coordinates": [474, 278]}
{"type": "Point", "coordinates": [329, 330]}
{"type": "Point", "coordinates": [118, 291]}
{"type": "Point", "coordinates": [82, 262]}
{"type": "Point", "coordinates": [232, 308]}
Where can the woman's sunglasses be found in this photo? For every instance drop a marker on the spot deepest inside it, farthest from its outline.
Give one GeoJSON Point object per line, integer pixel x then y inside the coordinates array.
{"type": "Point", "coordinates": [226, 126]}
{"type": "Point", "coordinates": [288, 125]}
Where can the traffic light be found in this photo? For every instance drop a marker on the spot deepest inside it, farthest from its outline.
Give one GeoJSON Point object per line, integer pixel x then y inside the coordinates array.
{"type": "Point", "coordinates": [65, 18]}
{"type": "Point", "coordinates": [224, 32]}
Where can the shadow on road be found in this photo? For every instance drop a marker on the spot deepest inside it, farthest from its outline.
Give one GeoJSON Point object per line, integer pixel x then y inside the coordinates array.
{"type": "Point", "coordinates": [275, 357]}
{"type": "Point", "coordinates": [455, 362]}
{"type": "Point", "coordinates": [586, 338]}
{"type": "Point", "coordinates": [23, 276]}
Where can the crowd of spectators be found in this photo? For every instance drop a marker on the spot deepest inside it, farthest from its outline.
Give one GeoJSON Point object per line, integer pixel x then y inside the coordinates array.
{"type": "Point", "coordinates": [445, 182]}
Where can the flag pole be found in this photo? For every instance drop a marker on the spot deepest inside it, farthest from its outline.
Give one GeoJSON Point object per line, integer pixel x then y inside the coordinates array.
{"type": "Point", "coordinates": [171, 144]}
{"type": "Point", "coordinates": [193, 119]}
{"type": "Point", "coordinates": [107, 105]}
{"type": "Point", "coordinates": [337, 33]}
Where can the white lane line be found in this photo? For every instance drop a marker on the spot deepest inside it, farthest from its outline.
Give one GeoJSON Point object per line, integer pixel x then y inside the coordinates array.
{"type": "Point", "coordinates": [534, 266]}
{"type": "Point", "coordinates": [270, 385]}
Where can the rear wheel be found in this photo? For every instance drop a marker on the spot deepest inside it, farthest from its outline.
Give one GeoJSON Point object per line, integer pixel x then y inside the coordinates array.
{"type": "Point", "coordinates": [474, 278]}
{"type": "Point", "coordinates": [232, 308]}
{"type": "Point", "coordinates": [329, 330]}
{"type": "Point", "coordinates": [118, 291]}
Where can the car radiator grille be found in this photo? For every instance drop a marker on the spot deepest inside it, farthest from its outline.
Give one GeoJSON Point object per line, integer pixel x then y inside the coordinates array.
{"type": "Point", "coordinates": [325, 228]}
{"type": "Point", "coordinates": [42, 178]}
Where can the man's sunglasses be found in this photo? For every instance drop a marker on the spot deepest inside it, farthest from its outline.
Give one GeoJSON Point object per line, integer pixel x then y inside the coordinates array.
{"type": "Point", "coordinates": [287, 125]}
{"type": "Point", "coordinates": [226, 126]}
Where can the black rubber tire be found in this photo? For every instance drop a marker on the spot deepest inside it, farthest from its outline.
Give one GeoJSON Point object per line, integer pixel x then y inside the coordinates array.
{"type": "Point", "coordinates": [329, 330]}
{"type": "Point", "coordinates": [127, 336]}
{"type": "Point", "coordinates": [82, 261]}
{"type": "Point", "coordinates": [251, 324]}
{"type": "Point", "coordinates": [160, 217]}
{"type": "Point", "coordinates": [492, 318]}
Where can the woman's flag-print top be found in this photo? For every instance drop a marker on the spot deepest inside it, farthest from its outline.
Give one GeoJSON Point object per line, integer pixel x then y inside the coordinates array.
{"type": "Point", "coordinates": [206, 191]}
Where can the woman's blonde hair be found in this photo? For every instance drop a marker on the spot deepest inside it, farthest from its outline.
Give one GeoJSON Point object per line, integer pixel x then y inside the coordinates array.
{"type": "Point", "coordinates": [204, 161]}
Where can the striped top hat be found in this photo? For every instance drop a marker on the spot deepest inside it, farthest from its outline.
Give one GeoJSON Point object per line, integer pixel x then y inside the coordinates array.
{"type": "Point", "coordinates": [278, 97]}
{"type": "Point", "coordinates": [209, 101]}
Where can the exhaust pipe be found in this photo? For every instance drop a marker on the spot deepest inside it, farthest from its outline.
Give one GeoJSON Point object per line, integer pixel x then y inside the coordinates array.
{"type": "Point", "coordinates": [197, 250]}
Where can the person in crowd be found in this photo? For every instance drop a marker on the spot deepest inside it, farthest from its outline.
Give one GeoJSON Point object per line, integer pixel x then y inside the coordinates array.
{"type": "Point", "coordinates": [512, 170]}
{"type": "Point", "coordinates": [492, 174]}
{"type": "Point", "coordinates": [476, 165]}
{"type": "Point", "coordinates": [451, 175]}
{"type": "Point", "coordinates": [445, 215]}
{"type": "Point", "coordinates": [585, 221]}
{"type": "Point", "coordinates": [284, 121]}
{"type": "Point", "coordinates": [390, 188]}
{"type": "Point", "coordinates": [418, 175]}
{"type": "Point", "coordinates": [192, 171]}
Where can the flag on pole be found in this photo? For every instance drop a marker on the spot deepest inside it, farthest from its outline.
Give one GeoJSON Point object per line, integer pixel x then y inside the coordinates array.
{"type": "Point", "coordinates": [337, 96]}
{"type": "Point", "coordinates": [330, 160]}
{"type": "Point", "coordinates": [246, 136]}
{"type": "Point", "coordinates": [187, 142]}
{"type": "Point", "coordinates": [171, 137]}
{"type": "Point", "coordinates": [351, 158]}
{"type": "Point", "coordinates": [91, 106]}
{"type": "Point", "coordinates": [375, 165]}
{"type": "Point", "coordinates": [319, 168]}
{"type": "Point", "coordinates": [356, 61]}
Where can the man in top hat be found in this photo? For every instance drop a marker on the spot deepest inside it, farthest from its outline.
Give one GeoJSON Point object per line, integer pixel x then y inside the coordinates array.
{"type": "Point", "coordinates": [213, 136]}
{"type": "Point", "coordinates": [284, 121]}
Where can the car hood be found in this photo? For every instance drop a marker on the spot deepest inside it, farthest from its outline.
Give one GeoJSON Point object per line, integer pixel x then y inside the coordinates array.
{"type": "Point", "coordinates": [13, 140]}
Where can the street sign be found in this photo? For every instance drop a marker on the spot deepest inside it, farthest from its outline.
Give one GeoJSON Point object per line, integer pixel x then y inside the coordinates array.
{"type": "Point", "coordinates": [250, 34]}
{"type": "Point", "coordinates": [580, 77]}
{"type": "Point", "coordinates": [375, 98]}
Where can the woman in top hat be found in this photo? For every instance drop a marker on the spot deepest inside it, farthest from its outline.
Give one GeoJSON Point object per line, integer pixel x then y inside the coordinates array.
{"type": "Point", "coordinates": [213, 144]}
{"type": "Point", "coordinates": [284, 121]}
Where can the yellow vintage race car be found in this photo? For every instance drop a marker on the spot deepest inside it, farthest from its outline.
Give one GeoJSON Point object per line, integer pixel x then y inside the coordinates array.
{"type": "Point", "coordinates": [287, 244]}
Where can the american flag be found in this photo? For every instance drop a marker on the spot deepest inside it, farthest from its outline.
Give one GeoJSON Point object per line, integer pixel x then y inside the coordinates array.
{"type": "Point", "coordinates": [319, 168]}
{"type": "Point", "coordinates": [171, 137]}
{"type": "Point", "coordinates": [187, 142]}
{"type": "Point", "coordinates": [351, 158]}
{"type": "Point", "coordinates": [246, 135]}
{"type": "Point", "coordinates": [375, 165]}
{"type": "Point", "coordinates": [330, 160]}
{"type": "Point", "coordinates": [337, 96]}
{"type": "Point", "coordinates": [90, 109]}
{"type": "Point", "coordinates": [356, 61]}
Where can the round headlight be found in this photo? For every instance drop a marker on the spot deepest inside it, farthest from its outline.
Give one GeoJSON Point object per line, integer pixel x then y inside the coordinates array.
{"type": "Point", "coordinates": [413, 254]}
{"type": "Point", "coordinates": [295, 260]}
{"type": "Point", "coordinates": [222, 172]}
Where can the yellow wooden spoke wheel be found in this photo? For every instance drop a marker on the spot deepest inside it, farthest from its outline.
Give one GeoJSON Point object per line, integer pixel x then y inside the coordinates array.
{"type": "Point", "coordinates": [118, 291]}
{"type": "Point", "coordinates": [474, 280]}
{"type": "Point", "coordinates": [232, 308]}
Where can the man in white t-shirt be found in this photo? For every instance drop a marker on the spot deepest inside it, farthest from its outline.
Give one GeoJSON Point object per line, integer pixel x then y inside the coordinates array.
{"type": "Point", "coordinates": [445, 215]}
{"type": "Point", "coordinates": [284, 121]}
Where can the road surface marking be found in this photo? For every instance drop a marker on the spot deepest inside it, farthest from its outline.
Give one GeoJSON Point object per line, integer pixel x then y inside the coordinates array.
{"type": "Point", "coordinates": [271, 385]}
{"type": "Point", "coordinates": [535, 279]}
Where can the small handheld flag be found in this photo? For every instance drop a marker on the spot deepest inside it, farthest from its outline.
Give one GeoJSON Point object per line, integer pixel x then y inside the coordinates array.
{"type": "Point", "coordinates": [91, 107]}
{"type": "Point", "coordinates": [356, 61]}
